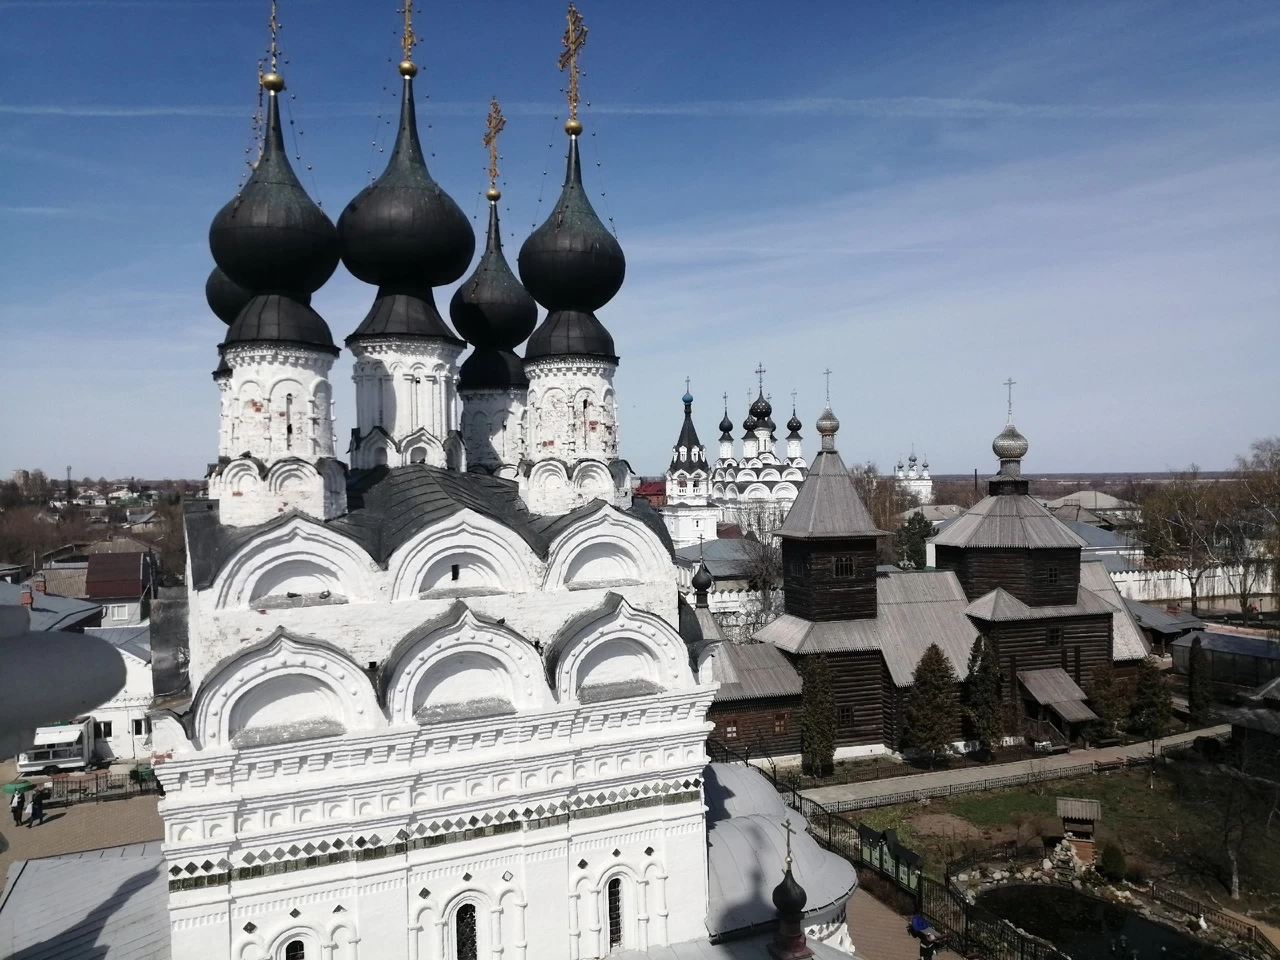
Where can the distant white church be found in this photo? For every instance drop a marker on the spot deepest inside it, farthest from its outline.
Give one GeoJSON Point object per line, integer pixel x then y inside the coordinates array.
{"type": "Point", "coordinates": [913, 477]}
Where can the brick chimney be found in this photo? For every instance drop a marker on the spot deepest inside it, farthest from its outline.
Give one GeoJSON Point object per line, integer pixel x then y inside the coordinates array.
{"type": "Point", "coordinates": [38, 584]}
{"type": "Point", "coordinates": [28, 600]}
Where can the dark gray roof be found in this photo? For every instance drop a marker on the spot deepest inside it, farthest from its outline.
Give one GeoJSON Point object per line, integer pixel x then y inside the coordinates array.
{"type": "Point", "coordinates": [1127, 641]}
{"type": "Point", "coordinates": [1260, 719]}
{"type": "Point", "coordinates": [914, 610]}
{"type": "Point", "coordinates": [729, 559]}
{"type": "Point", "coordinates": [135, 640]}
{"type": "Point", "coordinates": [1094, 536]}
{"type": "Point", "coordinates": [1050, 686]}
{"type": "Point", "coordinates": [753, 671]}
{"type": "Point", "coordinates": [999, 605]}
{"type": "Point", "coordinates": [1161, 621]}
{"type": "Point", "coordinates": [1259, 647]}
{"type": "Point", "coordinates": [828, 504]}
{"type": "Point", "coordinates": [387, 506]}
{"type": "Point", "coordinates": [1007, 521]}
{"type": "Point", "coordinates": [49, 612]}
{"type": "Point", "coordinates": [695, 454]}
{"type": "Point", "coordinates": [105, 904]}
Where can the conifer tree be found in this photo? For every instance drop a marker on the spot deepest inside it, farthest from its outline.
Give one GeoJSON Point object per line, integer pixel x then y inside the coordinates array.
{"type": "Point", "coordinates": [817, 717]}
{"type": "Point", "coordinates": [982, 695]}
{"type": "Point", "coordinates": [1152, 703]}
{"type": "Point", "coordinates": [1107, 697]}
{"type": "Point", "coordinates": [932, 706]}
{"type": "Point", "coordinates": [1199, 685]}
{"type": "Point", "coordinates": [909, 543]}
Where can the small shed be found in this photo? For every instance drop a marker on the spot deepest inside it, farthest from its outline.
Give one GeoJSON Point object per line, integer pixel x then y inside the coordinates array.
{"type": "Point", "coordinates": [1079, 820]}
{"type": "Point", "coordinates": [1237, 659]}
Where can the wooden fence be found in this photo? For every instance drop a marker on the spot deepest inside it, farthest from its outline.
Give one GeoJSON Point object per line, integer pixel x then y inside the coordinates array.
{"type": "Point", "coordinates": [1217, 918]}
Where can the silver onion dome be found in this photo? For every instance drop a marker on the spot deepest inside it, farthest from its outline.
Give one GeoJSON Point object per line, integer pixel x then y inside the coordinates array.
{"type": "Point", "coordinates": [1010, 444]}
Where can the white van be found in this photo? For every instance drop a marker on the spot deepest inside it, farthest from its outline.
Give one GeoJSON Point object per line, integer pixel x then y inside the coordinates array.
{"type": "Point", "coordinates": [59, 747]}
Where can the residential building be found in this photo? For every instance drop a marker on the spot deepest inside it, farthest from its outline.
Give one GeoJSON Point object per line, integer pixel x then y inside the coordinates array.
{"type": "Point", "coordinates": [122, 584]}
{"type": "Point", "coordinates": [122, 725]}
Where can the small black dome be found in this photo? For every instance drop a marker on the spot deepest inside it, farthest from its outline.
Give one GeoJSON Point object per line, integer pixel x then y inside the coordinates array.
{"type": "Point", "coordinates": [403, 227]}
{"type": "Point", "coordinates": [726, 425]}
{"type": "Point", "coordinates": [570, 333]}
{"type": "Point", "coordinates": [271, 238]}
{"type": "Point", "coordinates": [225, 297]}
{"type": "Point", "coordinates": [279, 318]}
{"type": "Point", "coordinates": [492, 308]}
{"type": "Point", "coordinates": [794, 423]}
{"type": "Point", "coordinates": [407, 310]}
{"type": "Point", "coordinates": [761, 408]}
{"type": "Point", "coordinates": [749, 424]}
{"type": "Point", "coordinates": [572, 262]}
{"type": "Point", "coordinates": [702, 578]}
{"type": "Point", "coordinates": [788, 896]}
{"type": "Point", "coordinates": [490, 369]}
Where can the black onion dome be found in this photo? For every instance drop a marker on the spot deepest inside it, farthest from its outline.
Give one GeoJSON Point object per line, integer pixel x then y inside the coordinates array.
{"type": "Point", "coordinates": [726, 425]}
{"type": "Point", "coordinates": [490, 369]}
{"type": "Point", "coordinates": [702, 581]}
{"type": "Point", "coordinates": [572, 262]}
{"type": "Point", "coordinates": [403, 228]}
{"type": "Point", "coordinates": [225, 297]}
{"type": "Point", "coordinates": [788, 896]}
{"type": "Point", "coordinates": [794, 423]}
{"type": "Point", "coordinates": [761, 408]}
{"type": "Point", "coordinates": [280, 319]}
{"type": "Point", "coordinates": [749, 424]}
{"type": "Point", "coordinates": [492, 308]}
{"type": "Point", "coordinates": [271, 238]}
{"type": "Point", "coordinates": [570, 333]}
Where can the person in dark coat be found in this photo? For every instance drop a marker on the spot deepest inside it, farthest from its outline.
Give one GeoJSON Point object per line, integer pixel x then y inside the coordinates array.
{"type": "Point", "coordinates": [15, 807]}
{"type": "Point", "coordinates": [37, 810]}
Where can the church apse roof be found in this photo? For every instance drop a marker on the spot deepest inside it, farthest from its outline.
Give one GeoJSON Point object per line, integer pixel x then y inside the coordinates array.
{"type": "Point", "coordinates": [1015, 522]}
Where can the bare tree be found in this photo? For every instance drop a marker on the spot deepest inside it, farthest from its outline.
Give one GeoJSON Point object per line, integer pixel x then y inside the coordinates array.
{"type": "Point", "coordinates": [1258, 481]}
{"type": "Point", "coordinates": [764, 580]}
{"type": "Point", "coordinates": [1184, 526]}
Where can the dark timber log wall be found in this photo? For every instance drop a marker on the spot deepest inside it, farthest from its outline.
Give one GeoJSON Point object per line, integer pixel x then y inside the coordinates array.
{"type": "Point", "coordinates": [756, 723]}
{"type": "Point", "coordinates": [813, 589]}
{"type": "Point", "coordinates": [1024, 645]}
{"type": "Point", "coordinates": [1027, 574]}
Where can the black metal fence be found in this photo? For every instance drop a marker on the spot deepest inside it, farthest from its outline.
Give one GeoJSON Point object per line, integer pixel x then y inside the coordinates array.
{"type": "Point", "coordinates": [97, 787]}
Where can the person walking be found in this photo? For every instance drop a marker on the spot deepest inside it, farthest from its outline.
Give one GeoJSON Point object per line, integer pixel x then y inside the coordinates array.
{"type": "Point", "coordinates": [37, 810]}
{"type": "Point", "coordinates": [15, 807]}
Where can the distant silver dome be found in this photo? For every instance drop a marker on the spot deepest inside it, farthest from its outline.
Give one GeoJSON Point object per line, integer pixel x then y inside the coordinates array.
{"type": "Point", "coordinates": [1010, 444]}
{"type": "Point", "coordinates": [827, 423]}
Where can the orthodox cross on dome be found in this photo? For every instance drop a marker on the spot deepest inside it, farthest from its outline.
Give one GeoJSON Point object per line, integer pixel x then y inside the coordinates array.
{"type": "Point", "coordinates": [575, 38]}
{"type": "Point", "coordinates": [786, 826]}
{"type": "Point", "coordinates": [273, 49]}
{"type": "Point", "coordinates": [408, 39]}
{"type": "Point", "coordinates": [725, 395]}
{"type": "Point", "coordinates": [793, 401]}
{"type": "Point", "coordinates": [496, 123]}
{"type": "Point", "coordinates": [760, 372]}
{"type": "Point", "coordinates": [827, 373]}
{"type": "Point", "coordinates": [686, 384]}
{"type": "Point", "coordinates": [1009, 384]}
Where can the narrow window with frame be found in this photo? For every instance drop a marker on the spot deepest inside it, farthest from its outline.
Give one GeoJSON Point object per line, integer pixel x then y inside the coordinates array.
{"type": "Point", "coordinates": [465, 942]}
{"type": "Point", "coordinates": [844, 717]}
{"type": "Point", "coordinates": [845, 567]}
{"type": "Point", "coordinates": [615, 912]}
{"type": "Point", "coordinates": [779, 723]}
{"type": "Point", "coordinates": [1053, 636]}
{"type": "Point", "coordinates": [731, 731]}
{"type": "Point", "coordinates": [1052, 575]}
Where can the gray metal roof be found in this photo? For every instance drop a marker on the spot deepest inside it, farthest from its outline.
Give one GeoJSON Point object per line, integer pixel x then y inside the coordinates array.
{"type": "Point", "coordinates": [1072, 808]}
{"type": "Point", "coordinates": [1097, 537]}
{"type": "Point", "coordinates": [106, 904]}
{"type": "Point", "coordinates": [1161, 621]}
{"type": "Point", "coordinates": [69, 581]}
{"type": "Point", "coordinates": [49, 612]}
{"type": "Point", "coordinates": [750, 948]}
{"type": "Point", "coordinates": [1259, 647]}
{"type": "Point", "coordinates": [1053, 685]}
{"type": "Point", "coordinates": [727, 559]}
{"type": "Point", "coordinates": [828, 504]}
{"type": "Point", "coordinates": [1127, 641]}
{"type": "Point", "coordinates": [914, 610]}
{"type": "Point", "coordinates": [1011, 521]}
{"type": "Point", "coordinates": [135, 640]}
{"type": "Point", "coordinates": [751, 671]}
{"type": "Point", "coordinates": [1000, 605]}
{"type": "Point", "coordinates": [738, 790]}
{"type": "Point", "coordinates": [1092, 500]}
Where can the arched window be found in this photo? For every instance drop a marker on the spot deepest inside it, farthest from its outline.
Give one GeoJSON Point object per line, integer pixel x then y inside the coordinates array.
{"type": "Point", "coordinates": [465, 944]}
{"type": "Point", "coordinates": [296, 950]}
{"type": "Point", "coordinates": [615, 912]}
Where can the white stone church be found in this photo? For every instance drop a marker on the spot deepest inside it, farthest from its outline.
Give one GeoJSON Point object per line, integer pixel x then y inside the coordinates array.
{"type": "Point", "coordinates": [437, 703]}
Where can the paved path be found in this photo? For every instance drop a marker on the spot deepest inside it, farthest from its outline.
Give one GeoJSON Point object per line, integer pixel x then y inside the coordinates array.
{"type": "Point", "coordinates": [944, 778]}
{"type": "Point", "coordinates": [880, 934]}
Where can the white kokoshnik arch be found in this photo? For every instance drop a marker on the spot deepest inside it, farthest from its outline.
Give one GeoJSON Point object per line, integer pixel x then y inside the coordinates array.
{"type": "Point", "coordinates": [499, 558]}
{"type": "Point", "coordinates": [286, 681]}
{"type": "Point", "coordinates": [620, 647]}
{"type": "Point", "coordinates": [613, 542]}
{"type": "Point", "coordinates": [300, 540]}
{"type": "Point", "coordinates": [465, 659]}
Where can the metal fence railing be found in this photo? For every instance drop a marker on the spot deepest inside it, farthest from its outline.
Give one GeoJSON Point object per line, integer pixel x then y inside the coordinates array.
{"type": "Point", "coordinates": [1216, 918]}
{"type": "Point", "coordinates": [64, 790]}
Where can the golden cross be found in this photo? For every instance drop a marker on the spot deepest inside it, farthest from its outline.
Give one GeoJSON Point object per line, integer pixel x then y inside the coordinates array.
{"type": "Point", "coordinates": [496, 123]}
{"type": "Point", "coordinates": [575, 38]}
{"type": "Point", "coordinates": [408, 40]}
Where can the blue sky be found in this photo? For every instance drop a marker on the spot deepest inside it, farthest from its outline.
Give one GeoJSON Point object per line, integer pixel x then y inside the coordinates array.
{"type": "Point", "coordinates": [926, 197]}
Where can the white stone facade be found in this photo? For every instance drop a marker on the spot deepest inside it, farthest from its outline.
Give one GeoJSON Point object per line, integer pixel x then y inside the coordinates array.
{"type": "Point", "coordinates": [276, 441]}
{"type": "Point", "coordinates": [470, 732]}
{"type": "Point", "coordinates": [406, 402]}
{"type": "Point", "coordinates": [493, 429]}
{"type": "Point", "coordinates": [913, 477]}
{"type": "Point", "coordinates": [572, 436]}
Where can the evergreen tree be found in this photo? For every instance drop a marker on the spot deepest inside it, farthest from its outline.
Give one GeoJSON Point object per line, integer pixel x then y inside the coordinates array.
{"type": "Point", "coordinates": [909, 542]}
{"type": "Point", "coordinates": [1107, 696]}
{"type": "Point", "coordinates": [1152, 703]}
{"type": "Point", "coordinates": [932, 706]}
{"type": "Point", "coordinates": [1199, 687]}
{"type": "Point", "coordinates": [982, 695]}
{"type": "Point", "coordinates": [817, 717]}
